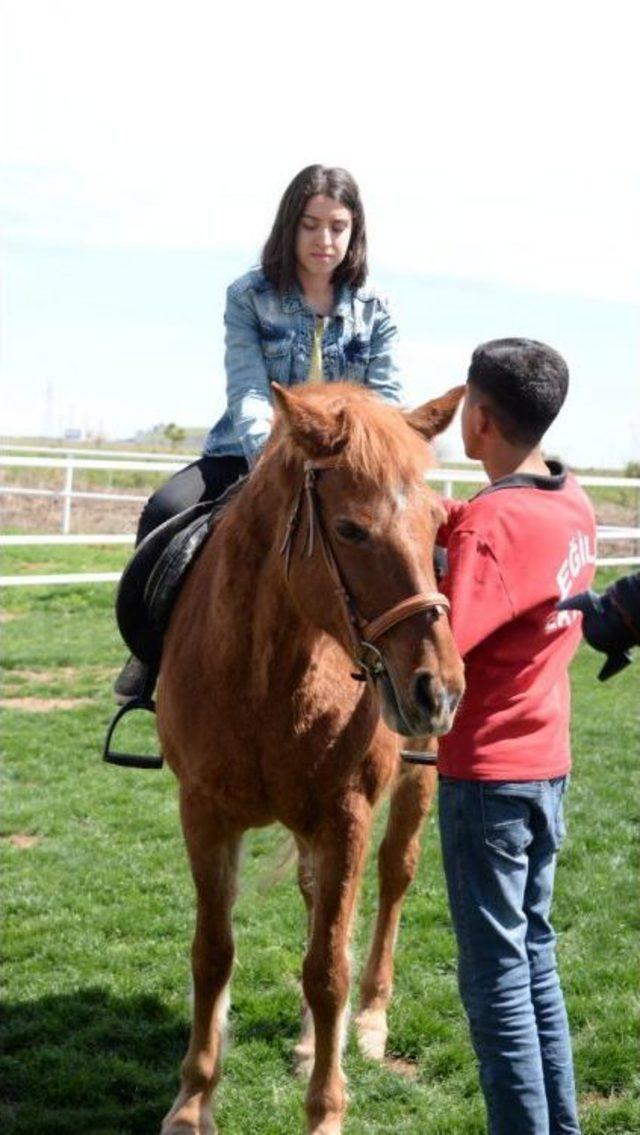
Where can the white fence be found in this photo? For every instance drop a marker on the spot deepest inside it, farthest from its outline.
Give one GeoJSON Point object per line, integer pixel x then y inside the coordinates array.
{"type": "Point", "coordinates": [70, 463]}
{"type": "Point", "coordinates": [71, 460]}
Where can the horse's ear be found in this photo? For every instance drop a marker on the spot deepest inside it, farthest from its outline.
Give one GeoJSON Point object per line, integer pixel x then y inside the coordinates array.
{"type": "Point", "coordinates": [434, 417]}
{"type": "Point", "coordinates": [318, 430]}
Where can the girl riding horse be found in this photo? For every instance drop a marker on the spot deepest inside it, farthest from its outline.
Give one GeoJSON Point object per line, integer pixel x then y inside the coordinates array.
{"type": "Point", "coordinates": [305, 315]}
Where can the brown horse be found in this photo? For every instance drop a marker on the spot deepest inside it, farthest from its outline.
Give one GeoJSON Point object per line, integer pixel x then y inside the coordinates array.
{"type": "Point", "coordinates": [321, 567]}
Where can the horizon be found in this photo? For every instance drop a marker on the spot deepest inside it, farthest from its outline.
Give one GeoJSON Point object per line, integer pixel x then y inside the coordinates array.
{"type": "Point", "coordinates": [163, 447]}
{"type": "Point", "coordinates": [126, 338]}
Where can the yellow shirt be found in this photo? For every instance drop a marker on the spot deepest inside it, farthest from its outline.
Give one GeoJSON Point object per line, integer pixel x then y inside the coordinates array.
{"type": "Point", "coordinates": [315, 365]}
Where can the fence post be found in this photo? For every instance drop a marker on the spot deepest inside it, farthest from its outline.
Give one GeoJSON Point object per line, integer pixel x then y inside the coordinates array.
{"type": "Point", "coordinates": [66, 497]}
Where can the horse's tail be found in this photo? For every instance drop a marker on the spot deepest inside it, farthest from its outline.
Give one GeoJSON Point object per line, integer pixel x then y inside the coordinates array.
{"type": "Point", "coordinates": [279, 862]}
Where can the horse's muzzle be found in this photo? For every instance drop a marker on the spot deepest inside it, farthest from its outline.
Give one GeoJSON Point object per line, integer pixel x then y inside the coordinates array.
{"type": "Point", "coordinates": [428, 710]}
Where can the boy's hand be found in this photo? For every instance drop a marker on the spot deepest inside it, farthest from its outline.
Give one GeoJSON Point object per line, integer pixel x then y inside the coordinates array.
{"type": "Point", "coordinates": [440, 562]}
{"type": "Point", "coordinates": [604, 628]}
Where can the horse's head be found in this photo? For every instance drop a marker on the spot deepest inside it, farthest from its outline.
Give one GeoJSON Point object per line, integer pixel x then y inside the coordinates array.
{"type": "Point", "coordinates": [359, 541]}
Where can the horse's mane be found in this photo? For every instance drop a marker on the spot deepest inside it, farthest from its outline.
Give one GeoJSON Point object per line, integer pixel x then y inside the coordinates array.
{"type": "Point", "coordinates": [373, 439]}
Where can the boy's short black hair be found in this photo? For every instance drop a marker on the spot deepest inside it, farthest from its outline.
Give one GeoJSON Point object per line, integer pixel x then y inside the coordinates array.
{"type": "Point", "coordinates": [525, 383]}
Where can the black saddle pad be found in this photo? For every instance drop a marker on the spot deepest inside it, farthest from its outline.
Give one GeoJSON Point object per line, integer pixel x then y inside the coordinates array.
{"type": "Point", "coordinates": [151, 580]}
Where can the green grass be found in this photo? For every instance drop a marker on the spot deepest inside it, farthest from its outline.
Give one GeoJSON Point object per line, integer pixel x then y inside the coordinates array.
{"type": "Point", "coordinates": [98, 916]}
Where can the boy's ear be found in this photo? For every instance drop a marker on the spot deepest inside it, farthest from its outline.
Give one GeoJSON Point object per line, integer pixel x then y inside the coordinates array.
{"type": "Point", "coordinates": [483, 418]}
{"type": "Point", "coordinates": [434, 417]}
{"type": "Point", "coordinates": [319, 431]}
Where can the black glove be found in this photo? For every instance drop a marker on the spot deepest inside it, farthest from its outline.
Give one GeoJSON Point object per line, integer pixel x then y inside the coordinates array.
{"type": "Point", "coordinates": [606, 625]}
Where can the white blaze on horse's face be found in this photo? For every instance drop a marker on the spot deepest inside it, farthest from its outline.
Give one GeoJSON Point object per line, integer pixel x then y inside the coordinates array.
{"type": "Point", "coordinates": [400, 500]}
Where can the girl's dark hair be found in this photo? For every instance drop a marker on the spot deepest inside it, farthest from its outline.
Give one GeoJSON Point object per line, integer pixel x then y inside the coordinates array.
{"type": "Point", "coordinates": [279, 253]}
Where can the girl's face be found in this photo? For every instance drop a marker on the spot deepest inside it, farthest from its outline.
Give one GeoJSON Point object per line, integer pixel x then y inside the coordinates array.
{"type": "Point", "coordinates": [322, 239]}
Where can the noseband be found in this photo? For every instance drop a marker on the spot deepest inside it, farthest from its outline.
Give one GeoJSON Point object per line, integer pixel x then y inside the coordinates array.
{"type": "Point", "coordinates": [363, 633]}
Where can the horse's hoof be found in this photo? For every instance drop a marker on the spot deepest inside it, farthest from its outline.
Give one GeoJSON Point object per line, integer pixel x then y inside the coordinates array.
{"type": "Point", "coordinates": [188, 1116]}
{"type": "Point", "coordinates": [372, 1032]}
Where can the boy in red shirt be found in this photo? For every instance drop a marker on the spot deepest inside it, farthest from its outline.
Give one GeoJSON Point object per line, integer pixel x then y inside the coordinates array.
{"type": "Point", "coordinates": [516, 549]}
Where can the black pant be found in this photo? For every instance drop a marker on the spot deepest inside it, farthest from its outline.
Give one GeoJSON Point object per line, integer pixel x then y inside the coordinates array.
{"type": "Point", "coordinates": [205, 479]}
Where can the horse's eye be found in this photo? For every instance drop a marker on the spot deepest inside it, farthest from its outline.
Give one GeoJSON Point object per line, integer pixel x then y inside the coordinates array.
{"type": "Point", "coordinates": [354, 533]}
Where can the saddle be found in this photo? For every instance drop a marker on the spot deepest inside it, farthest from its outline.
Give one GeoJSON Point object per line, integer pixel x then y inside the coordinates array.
{"type": "Point", "coordinates": [153, 577]}
{"type": "Point", "coordinates": [148, 589]}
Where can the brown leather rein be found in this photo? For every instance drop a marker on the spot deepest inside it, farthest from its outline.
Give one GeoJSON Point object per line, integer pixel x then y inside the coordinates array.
{"type": "Point", "coordinates": [363, 633]}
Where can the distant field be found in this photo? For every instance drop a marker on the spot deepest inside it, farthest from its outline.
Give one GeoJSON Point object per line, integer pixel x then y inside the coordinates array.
{"type": "Point", "coordinates": [98, 914]}
{"type": "Point", "coordinates": [618, 506]}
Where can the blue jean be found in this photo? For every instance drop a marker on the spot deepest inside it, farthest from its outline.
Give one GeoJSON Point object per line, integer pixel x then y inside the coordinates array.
{"type": "Point", "coordinates": [499, 845]}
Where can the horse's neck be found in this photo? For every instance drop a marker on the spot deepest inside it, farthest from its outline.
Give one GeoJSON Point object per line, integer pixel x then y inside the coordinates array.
{"type": "Point", "coordinates": [268, 638]}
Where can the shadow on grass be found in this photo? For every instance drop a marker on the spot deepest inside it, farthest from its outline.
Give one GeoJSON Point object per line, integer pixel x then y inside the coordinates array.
{"type": "Point", "coordinates": [88, 1062]}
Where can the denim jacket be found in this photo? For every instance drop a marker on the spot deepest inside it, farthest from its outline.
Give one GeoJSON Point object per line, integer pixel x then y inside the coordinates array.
{"type": "Point", "coordinates": [269, 336]}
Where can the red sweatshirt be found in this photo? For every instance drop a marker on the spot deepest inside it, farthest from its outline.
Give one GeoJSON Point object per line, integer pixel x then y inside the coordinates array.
{"type": "Point", "coordinates": [515, 549]}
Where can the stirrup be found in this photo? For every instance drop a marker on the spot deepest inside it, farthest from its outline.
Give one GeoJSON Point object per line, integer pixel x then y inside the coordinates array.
{"type": "Point", "coordinates": [130, 760]}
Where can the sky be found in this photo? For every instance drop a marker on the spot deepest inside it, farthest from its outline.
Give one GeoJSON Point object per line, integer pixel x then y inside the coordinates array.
{"type": "Point", "coordinates": [144, 148]}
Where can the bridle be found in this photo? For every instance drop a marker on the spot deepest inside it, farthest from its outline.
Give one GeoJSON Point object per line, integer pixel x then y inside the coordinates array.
{"type": "Point", "coordinates": [363, 633]}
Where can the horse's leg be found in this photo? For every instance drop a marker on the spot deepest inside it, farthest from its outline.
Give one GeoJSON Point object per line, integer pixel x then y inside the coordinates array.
{"type": "Point", "coordinates": [213, 855]}
{"type": "Point", "coordinates": [397, 864]}
{"type": "Point", "coordinates": [338, 860]}
{"type": "Point", "coordinates": [305, 1048]}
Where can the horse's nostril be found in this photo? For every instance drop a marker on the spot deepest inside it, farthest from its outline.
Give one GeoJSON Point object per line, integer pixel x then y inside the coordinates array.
{"type": "Point", "coordinates": [424, 691]}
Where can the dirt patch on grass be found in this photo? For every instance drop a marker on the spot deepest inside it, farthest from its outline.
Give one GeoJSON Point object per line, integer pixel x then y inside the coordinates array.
{"type": "Point", "coordinates": [40, 677]}
{"type": "Point", "coordinates": [599, 1100]}
{"type": "Point", "coordinates": [401, 1067]}
{"type": "Point", "coordinates": [43, 705]}
{"type": "Point", "coordinates": [63, 674]}
{"type": "Point", "coordinates": [9, 616]}
{"type": "Point", "coordinates": [21, 840]}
